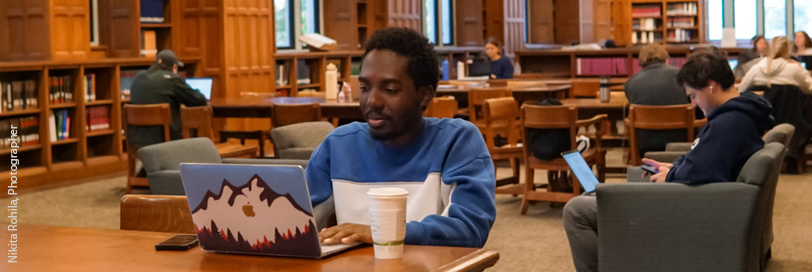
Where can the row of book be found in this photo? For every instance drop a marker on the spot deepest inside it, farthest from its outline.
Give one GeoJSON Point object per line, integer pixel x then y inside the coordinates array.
{"type": "Point", "coordinates": [601, 66]}
{"type": "Point", "coordinates": [680, 35]}
{"type": "Point", "coordinates": [89, 87]}
{"type": "Point", "coordinates": [682, 22]}
{"type": "Point", "coordinates": [60, 89]}
{"type": "Point", "coordinates": [27, 131]}
{"type": "Point", "coordinates": [18, 95]}
{"type": "Point", "coordinates": [98, 118]}
{"type": "Point", "coordinates": [59, 125]}
{"type": "Point", "coordinates": [644, 37]}
{"type": "Point", "coordinates": [644, 24]}
{"type": "Point", "coordinates": [686, 9]}
{"type": "Point", "coordinates": [647, 11]}
{"type": "Point", "coordinates": [152, 11]}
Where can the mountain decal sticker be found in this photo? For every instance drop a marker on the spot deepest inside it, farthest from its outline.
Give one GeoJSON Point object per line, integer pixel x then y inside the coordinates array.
{"type": "Point", "coordinates": [254, 219]}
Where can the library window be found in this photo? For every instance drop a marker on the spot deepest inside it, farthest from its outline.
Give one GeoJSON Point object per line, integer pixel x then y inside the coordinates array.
{"type": "Point", "coordinates": [295, 18]}
{"type": "Point", "coordinates": [775, 19]}
{"type": "Point", "coordinates": [803, 15]}
{"type": "Point", "coordinates": [715, 19]}
{"type": "Point", "coordinates": [438, 20]}
{"type": "Point", "coordinates": [745, 19]}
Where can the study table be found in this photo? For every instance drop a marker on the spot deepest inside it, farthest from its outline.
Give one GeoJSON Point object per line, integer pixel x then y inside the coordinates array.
{"type": "Point", "coordinates": [260, 107]}
{"type": "Point", "coordinates": [48, 248]}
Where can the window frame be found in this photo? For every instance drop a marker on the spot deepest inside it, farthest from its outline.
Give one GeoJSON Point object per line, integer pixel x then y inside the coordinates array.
{"type": "Point", "coordinates": [441, 26]}
{"type": "Point", "coordinates": [728, 18]}
{"type": "Point", "coordinates": [291, 29]}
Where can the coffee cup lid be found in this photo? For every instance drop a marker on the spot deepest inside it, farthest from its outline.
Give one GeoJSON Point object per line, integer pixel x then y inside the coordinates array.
{"type": "Point", "coordinates": [387, 191]}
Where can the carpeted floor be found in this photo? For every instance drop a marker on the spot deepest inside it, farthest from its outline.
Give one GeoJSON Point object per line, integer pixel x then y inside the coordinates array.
{"type": "Point", "coordinates": [532, 242]}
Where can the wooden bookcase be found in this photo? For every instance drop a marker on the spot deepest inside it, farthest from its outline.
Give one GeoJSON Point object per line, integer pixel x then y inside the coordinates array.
{"type": "Point", "coordinates": [666, 21]}
{"type": "Point", "coordinates": [312, 66]}
{"type": "Point", "coordinates": [351, 22]}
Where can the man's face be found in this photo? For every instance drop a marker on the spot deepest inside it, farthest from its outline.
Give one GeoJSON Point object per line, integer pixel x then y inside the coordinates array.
{"type": "Point", "coordinates": [702, 98]}
{"type": "Point", "coordinates": [389, 100]}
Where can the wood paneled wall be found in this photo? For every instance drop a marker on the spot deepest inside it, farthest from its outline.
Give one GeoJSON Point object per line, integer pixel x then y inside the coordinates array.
{"type": "Point", "coordinates": [596, 20]}
{"type": "Point", "coordinates": [541, 21]}
{"type": "Point", "coordinates": [567, 23]}
{"type": "Point", "coordinates": [405, 13]}
{"type": "Point", "coordinates": [118, 28]}
{"type": "Point", "coordinates": [24, 30]}
{"type": "Point", "coordinates": [494, 19]}
{"type": "Point", "coordinates": [69, 30]}
{"type": "Point", "coordinates": [469, 23]}
{"type": "Point", "coordinates": [203, 37]}
{"type": "Point", "coordinates": [340, 23]}
{"type": "Point", "coordinates": [248, 46]}
{"type": "Point", "coordinates": [622, 28]}
{"type": "Point", "coordinates": [514, 26]}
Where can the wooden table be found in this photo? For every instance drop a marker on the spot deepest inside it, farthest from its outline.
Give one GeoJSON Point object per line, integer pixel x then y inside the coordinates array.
{"type": "Point", "coordinates": [260, 107]}
{"type": "Point", "coordinates": [44, 248]}
{"type": "Point", "coordinates": [521, 93]}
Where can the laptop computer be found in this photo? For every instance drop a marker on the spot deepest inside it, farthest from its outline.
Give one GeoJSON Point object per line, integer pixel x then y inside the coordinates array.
{"type": "Point", "coordinates": [581, 170]}
{"type": "Point", "coordinates": [253, 209]}
{"type": "Point", "coordinates": [201, 84]}
{"type": "Point", "coordinates": [479, 67]}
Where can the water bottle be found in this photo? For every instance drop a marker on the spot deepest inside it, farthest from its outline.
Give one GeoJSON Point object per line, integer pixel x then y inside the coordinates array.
{"type": "Point", "coordinates": [331, 82]}
{"type": "Point", "coordinates": [605, 89]}
{"type": "Point", "coordinates": [445, 70]}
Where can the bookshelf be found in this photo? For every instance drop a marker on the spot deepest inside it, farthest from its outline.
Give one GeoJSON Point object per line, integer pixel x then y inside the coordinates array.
{"type": "Point", "coordinates": [305, 70]}
{"type": "Point", "coordinates": [49, 154]}
{"type": "Point", "coordinates": [351, 22]}
{"type": "Point", "coordinates": [665, 21]}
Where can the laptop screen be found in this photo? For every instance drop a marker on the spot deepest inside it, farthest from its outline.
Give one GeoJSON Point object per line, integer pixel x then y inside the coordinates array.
{"type": "Point", "coordinates": [733, 63]}
{"type": "Point", "coordinates": [581, 170]}
{"type": "Point", "coordinates": [202, 84]}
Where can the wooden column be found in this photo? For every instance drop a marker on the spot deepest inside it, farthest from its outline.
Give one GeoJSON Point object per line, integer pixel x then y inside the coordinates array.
{"type": "Point", "coordinates": [405, 13]}
{"type": "Point", "coordinates": [340, 23]}
{"type": "Point", "coordinates": [541, 21]}
{"type": "Point", "coordinates": [469, 23]}
{"type": "Point", "coordinates": [514, 26]}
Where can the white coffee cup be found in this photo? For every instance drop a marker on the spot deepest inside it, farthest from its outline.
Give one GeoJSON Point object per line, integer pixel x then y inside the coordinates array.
{"type": "Point", "coordinates": [387, 219]}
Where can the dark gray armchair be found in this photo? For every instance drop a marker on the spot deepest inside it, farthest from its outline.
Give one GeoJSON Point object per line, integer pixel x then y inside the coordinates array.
{"type": "Point", "coordinates": [161, 162]}
{"type": "Point", "coordinates": [675, 227]}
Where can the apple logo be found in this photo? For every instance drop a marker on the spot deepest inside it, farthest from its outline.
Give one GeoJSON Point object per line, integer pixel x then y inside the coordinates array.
{"type": "Point", "coordinates": [248, 210]}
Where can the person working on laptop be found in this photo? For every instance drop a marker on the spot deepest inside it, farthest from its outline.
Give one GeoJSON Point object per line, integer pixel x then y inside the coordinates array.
{"type": "Point", "coordinates": [161, 84]}
{"type": "Point", "coordinates": [443, 163]}
{"type": "Point", "coordinates": [501, 66]}
{"type": "Point", "coordinates": [733, 133]}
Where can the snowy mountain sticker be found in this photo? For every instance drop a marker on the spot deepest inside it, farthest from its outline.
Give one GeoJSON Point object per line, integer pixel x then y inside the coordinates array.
{"type": "Point", "coordinates": [254, 219]}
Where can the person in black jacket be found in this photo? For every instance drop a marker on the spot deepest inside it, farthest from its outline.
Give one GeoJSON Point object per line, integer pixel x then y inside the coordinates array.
{"type": "Point", "coordinates": [733, 133]}
{"type": "Point", "coordinates": [656, 85]}
{"type": "Point", "coordinates": [161, 84]}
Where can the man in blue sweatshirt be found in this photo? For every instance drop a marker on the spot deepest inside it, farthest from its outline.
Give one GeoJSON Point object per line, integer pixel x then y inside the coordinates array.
{"type": "Point", "coordinates": [443, 163]}
{"type": "Point", "coordinates": [736, 123]}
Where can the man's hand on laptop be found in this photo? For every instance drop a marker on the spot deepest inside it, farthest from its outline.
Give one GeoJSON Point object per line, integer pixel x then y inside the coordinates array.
{"type": "Point", "coordinates": [663, 167]}
{"type": "Point", "coordinates": [346, 233]}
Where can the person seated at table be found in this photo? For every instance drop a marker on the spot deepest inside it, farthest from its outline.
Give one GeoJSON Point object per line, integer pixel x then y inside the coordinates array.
{"type": "Point", "coordinates": [777, 68]}
{"type": "Point", "coordinates": [748, 58]}
{"type": "Point", "coordinates": [802, 45]}
{"type": "Point", "coordinates": [157, 85]}
{"type": "Point", "coordinates": [501, 66]}
{"type": "Point", "coordinates": [443, 163]}
{"type": "Point", "coordinates": [656, 85]}
{"type": "Point", "coordinates": [733, 133]}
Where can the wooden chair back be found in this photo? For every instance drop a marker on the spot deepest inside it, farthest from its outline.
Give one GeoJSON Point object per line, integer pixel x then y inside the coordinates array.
{"type": "Point", "coordinates": [196, 122]}
{"type": "Point", "coordinates": [550, 117]}
{"type": "Point", "coordinates": [161, 213]}
{"type": "Point", "coordinates": [588, 89]}
{"type": "Point", "coordinates": [286, 114]}
{"type": "Point", "coordinates": [477, 97]}
{"type": "Point", "coordinates": [143, 115]}
{"type": "Point", "coordinates": [504, 109]}
{"type": "Point", "coordinates": [442, 107]}
{"type": "Point", "coordinates": [658, 118]}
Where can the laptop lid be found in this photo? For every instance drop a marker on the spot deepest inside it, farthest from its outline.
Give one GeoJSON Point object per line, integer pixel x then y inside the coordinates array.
{"type": "Point", "coordinates": [581, 170]}
{"type": "Point", "coordinates": [251, 209]}
{"type": "Point", "coordinates": [202, 84]}
{"type": "Point", "coordinates": [479, 67]}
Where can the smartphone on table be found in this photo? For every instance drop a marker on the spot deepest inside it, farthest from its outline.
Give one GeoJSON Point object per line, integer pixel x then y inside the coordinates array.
{"type": "Point", "coordinates": [178, 242]}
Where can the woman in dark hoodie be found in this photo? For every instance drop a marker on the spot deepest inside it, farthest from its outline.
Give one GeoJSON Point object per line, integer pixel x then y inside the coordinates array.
{"type": "Point", "coordinates": [733, 133]}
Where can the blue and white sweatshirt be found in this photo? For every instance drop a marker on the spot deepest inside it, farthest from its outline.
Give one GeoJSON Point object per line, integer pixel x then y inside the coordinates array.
{"type": "Point", "coordinates": [732, 135]}
{"type": "Point", "coordinates": [447, 170]}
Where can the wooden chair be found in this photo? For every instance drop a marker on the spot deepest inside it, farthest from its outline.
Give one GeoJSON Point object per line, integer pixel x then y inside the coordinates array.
{"type": "Point", "coordinates": [286, 114]}
{"type": "Point", "coordinates": [558, 117]}
{"type": "Point", "coordinates": [442, 107]}
{"type": "Point", "coordinates": [504, 110]}
{"type": "Point", "coordinates": [658, 118]}
{"type": "Point", "coordinates": [161, 213]}
{"type": "Point", "coordinates": [143, 115]}
{"type": "Point", "coordinates": [587, 89]}
{"type": "Point", "coordinates": [196, 122]}
{"type": "Point", "coordinates": [476, 100]}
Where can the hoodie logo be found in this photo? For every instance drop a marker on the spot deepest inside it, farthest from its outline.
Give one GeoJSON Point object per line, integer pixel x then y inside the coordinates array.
{"type": "Point", "coordinates": [696, 142]}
